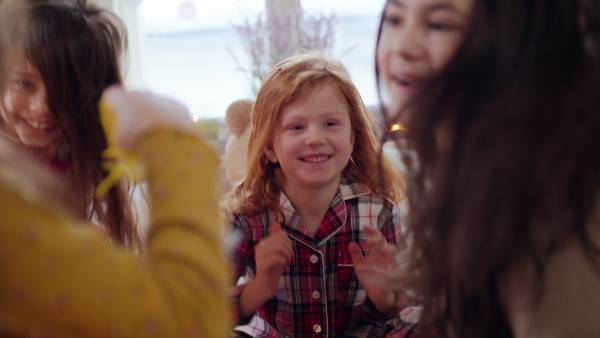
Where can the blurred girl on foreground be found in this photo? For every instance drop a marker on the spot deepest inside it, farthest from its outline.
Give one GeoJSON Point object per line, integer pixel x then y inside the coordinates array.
{"type": "Point", "coordinates": [502, 102]}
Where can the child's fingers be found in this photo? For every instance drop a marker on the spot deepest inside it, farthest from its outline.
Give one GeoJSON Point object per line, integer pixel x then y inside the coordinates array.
{"type": "Point", "coordinates": [275, 228]}
{"type": "Point", "coordinates": [279, 262]}
{"type": "Point", "coordinates": [370, 230]}
{"type": "Point", "coordinates": [375, 240]}
{"type": "Point", "coordinates": [273, 254]}
{"type": "Point", "coordinates": [356, 254]}
{"type": "Point", "coordinates": [277, 243]}
{"type": "Point", "coordinates": [389, 253]}
{"type": "Point", "coordinates": [139, 112]}
{"type": "Point", "coordinates": [277, 232]}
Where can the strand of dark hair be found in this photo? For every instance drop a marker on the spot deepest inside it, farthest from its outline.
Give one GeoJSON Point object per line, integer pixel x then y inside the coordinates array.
{"type": "Point", "coordinates": [523, 159]}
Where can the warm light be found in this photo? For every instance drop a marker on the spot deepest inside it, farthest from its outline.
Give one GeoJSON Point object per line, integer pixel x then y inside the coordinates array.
{"type": "Point", "coordinates": [397, 126]}
{"type": "Point", "coordinates": [195, 118]}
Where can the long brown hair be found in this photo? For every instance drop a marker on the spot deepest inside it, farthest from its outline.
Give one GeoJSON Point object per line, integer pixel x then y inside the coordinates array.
{"type": "Point", "coordinates": [519, 174]}
{"type": "Point", "coordinates": [287, 81]}
{"type": "Point", "coordinates": [77, 48]}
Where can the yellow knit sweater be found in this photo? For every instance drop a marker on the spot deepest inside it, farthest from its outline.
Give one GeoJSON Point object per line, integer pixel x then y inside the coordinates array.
{"type": "Point", "coordinates": [61, 279]}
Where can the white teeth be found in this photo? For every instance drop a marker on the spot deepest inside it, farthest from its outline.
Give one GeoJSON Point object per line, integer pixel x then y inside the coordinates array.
{"type": "Point", "coordinates": [316, 159]}
{"type": "Point", "coordinates": [40, 126]}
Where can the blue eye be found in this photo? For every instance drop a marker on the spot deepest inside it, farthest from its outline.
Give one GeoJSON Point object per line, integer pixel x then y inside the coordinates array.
{"type": "Point", "coordinates": [296, 127]}
{"type": "Point", "coordinates": [330, 124]}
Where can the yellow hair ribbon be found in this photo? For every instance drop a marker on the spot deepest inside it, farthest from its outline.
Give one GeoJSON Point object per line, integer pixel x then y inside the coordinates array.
{"type": "Point", "coordinates": [118, 162]}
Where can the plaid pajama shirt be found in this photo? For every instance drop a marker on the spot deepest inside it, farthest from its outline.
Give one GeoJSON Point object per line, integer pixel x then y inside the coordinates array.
{"type": "Point", "coordinates": [319, 294]}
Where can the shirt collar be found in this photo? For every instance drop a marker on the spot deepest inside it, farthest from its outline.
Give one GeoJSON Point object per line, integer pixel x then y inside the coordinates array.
{"type": "Point", "coordinates": [334, 218]}
{"type": "Point", "coordinates": [349, 188]}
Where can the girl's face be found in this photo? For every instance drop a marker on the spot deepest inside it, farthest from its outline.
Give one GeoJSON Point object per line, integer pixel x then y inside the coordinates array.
{"type": "Point", "coordinates": [418, 38]}
{"type": "Point", "coordinates": [313, 140]}
{"type": "Point", "coordinates": [26, 113]}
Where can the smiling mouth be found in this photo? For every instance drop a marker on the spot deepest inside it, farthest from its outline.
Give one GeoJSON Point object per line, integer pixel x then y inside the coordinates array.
{"type": "Point", "coordinates": [40, 125]}
{"type": "Point", "coordinates": [316, 159]}
{"type": "Point", "coordinates": [404, 81]}
{"type": "Point", "coordinates": [411, 80]}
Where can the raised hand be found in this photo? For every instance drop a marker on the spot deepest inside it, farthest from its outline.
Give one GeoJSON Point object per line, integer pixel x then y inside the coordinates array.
{"type": "Point", "coordinates": [139, 112]}
{"type": "Point", "coordinates": [378, 273]}
{"type": "Point", "coordinates": [272, 254]}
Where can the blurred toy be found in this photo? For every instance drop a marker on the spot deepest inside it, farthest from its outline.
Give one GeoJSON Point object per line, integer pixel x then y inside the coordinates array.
{"type": "Point", "coordinates": [237, 119]}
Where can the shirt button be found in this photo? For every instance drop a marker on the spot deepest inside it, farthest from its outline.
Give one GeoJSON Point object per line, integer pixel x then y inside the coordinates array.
{"type": "Point", "coordinates": [317, 328]}
{"type": "Point", "coordinates": [316, 295]}
{"type": "Point", "coordinates": [314, 259]}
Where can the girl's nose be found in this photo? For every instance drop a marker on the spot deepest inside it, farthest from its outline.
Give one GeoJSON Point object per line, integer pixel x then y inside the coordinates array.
{"type": "Point", "coordinates": [39, 103]}
{"type": "Point", "coordinates": [315, 137]}
{"type": "Point", "coordinates": [409, 43]}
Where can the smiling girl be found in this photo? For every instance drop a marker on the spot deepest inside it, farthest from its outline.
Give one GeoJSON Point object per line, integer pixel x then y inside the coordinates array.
{"type": "Point", "coordinates": [417, 38]}
{"type": "Point", "coordinates": [26, 114]}
{"type": "Point", "coordinates": [311, 207]}
{"type": "Point", "coordinates": [501, 98]}
{"type": "Point", "coordinates": [58, 64]}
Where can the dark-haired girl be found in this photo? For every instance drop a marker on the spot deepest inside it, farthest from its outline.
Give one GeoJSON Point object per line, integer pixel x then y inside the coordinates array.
{"type": "Point", "coordinates": [502, 102]}
{"type": "Point", "coordinates": [57, 59]}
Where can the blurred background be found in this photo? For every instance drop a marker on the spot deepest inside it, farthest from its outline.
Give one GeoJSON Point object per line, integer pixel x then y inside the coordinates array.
{"type": "Point", "coordinates": [208, 54]}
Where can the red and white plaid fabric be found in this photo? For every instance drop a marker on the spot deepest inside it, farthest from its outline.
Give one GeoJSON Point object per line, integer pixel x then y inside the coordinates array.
{"type": "Point", "coordinates": [319, 294]}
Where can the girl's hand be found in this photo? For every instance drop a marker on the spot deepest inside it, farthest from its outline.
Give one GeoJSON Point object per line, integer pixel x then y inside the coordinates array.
{"type": "Point", "coordinates": [273, 253]}
{"type": "Point", "coordinates": [140, 112]}
{"type": "Point", "coordinates": [378, 273]}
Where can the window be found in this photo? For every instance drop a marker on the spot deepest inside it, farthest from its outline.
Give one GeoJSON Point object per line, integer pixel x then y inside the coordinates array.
{"type": "Point", "coordinates": [198, 60]}
{"type": "Point", "coordinates": [189, 50]}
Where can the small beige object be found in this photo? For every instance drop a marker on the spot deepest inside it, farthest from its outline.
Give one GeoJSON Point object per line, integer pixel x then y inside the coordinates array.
{"type": "Point", "coordinates": [237, 119]}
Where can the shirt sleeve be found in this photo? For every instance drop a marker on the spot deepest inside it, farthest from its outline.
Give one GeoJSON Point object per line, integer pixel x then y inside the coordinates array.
{"type": "Point", "coordinates": [62, 278]}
